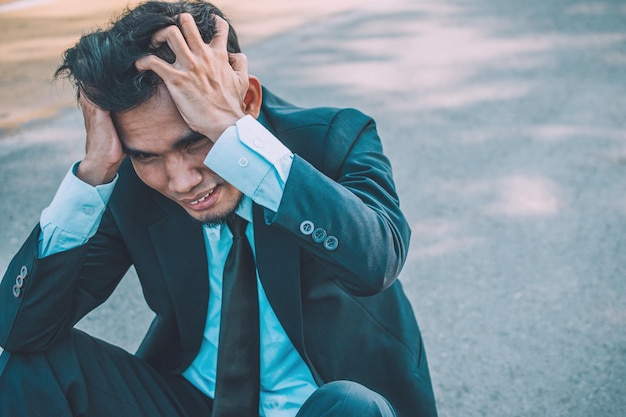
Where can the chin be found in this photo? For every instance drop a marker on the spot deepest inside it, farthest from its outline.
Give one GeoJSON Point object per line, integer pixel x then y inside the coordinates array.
{"type": "Point", "coordinates": [209, 218]}
{"type": "Point", "coordinates": [215, 216]}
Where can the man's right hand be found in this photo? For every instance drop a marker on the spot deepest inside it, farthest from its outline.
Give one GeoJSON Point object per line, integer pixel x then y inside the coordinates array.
{"type": "Point", "coordinates": [103, 149]}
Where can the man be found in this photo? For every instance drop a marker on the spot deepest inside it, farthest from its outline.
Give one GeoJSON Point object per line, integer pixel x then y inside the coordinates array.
{"type": "Point", "coordinates": [182, 144]}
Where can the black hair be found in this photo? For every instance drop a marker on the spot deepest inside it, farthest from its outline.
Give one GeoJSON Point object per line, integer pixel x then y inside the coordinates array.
{"type": "Point", "coordinates": [102, 64]}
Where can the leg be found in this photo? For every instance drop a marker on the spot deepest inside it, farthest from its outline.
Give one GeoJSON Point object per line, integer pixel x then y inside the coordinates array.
{"type": "Point", "coordinates": [84, 376]}
{"type": "Point", "coordinates": [345, 399]}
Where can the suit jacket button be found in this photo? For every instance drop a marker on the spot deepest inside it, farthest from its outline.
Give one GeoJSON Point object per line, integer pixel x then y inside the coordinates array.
{"type": "Point", "coordinates": [318, 235]}
{"type": "Point", "coordinates": [17, 291]}
{"type": "Point", "coordinates": [24, 271]}
{"type": "Point", "coordinates": [19, 281]}
{"type": "Point", "coordinates": [306, 227]}
{"type": "Point", "coordinates": [331, 243]}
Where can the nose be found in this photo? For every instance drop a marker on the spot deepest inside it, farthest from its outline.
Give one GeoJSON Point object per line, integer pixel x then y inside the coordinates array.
{"type": "Point", "coordinates": [183, 175]}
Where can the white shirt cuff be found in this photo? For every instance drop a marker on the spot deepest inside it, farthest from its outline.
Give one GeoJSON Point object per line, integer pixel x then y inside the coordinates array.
{"type": "Point", "coordinates": [74, 214]}
{"type": "Point", "coordinates": [253, 160]}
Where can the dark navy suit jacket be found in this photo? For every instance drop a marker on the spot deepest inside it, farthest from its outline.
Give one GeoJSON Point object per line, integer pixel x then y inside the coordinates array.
{"type": "Point", "coordinates": [339, 302]}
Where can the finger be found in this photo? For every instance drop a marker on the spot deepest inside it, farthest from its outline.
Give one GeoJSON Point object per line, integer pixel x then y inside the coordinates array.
{"type": "Point", "coordinates": [190, 31]}
{"type": "Point", "coordinates": [155, 64]}
{"type": "Point", "coordinates": [83, 101]}
{"type": "Point", "coordinates": [85, 104]}
{"type": "Point", "coordinates": [220, 40]}
{"type": "Point", "coordinates": [239, 62]}
{"type": "Point", "coordinates": [175, 39]}
{"type": "Point", "coordinates": [86, 107]}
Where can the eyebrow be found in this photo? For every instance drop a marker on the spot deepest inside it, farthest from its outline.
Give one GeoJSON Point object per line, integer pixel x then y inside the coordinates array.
{"type": "Point", "coordinates": [188, 137]}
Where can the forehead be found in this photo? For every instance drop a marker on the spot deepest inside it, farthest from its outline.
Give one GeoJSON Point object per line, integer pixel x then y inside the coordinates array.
{"type": "Point", "coordinates": [152, 125]}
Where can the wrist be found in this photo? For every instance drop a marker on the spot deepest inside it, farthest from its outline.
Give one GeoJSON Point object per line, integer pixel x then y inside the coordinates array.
{"type": "Point", "coordinates": [213, 131]}
{"type": "Point", "coordinates": [96, 173]}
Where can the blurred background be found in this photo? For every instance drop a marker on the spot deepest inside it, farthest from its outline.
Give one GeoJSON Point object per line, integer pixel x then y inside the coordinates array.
{"type": "Point", "coordinates": [505, 123]}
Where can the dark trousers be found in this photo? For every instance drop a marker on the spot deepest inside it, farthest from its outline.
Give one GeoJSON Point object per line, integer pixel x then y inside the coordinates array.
{"type": "Point", "coordinates": [84, 376]}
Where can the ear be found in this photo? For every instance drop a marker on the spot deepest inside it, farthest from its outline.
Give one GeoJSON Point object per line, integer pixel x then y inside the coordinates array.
{"type": "Point", "coordinates": [253, 98]}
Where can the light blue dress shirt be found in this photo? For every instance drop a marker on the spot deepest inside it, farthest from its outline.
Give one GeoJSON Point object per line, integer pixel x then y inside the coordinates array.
{"type": "Point", "coordinates": [250, 158]}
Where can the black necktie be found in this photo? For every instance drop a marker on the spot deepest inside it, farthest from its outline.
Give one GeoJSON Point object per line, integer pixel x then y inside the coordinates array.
{"type": "Point", "coordinates": [238, 363]}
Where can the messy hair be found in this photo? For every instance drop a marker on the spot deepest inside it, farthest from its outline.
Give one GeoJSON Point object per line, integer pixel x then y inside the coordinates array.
{"type": "Point", "coordinates": [102, 64]}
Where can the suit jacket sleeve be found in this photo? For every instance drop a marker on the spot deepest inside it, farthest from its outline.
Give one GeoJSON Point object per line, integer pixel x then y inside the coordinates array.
{"type": "Point", "coordinates": [58, 290]}
{"type": "Point", "coordinates": [348, 191]}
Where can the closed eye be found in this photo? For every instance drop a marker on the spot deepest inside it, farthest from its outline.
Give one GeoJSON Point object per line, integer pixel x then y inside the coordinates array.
{"type": "Point", "coordinates": [191, 142]}
{"type": "Point", "coordinates": [197, 142]}
{"type": "Point", "coordinates": [141, 156]}
{"type": "Point", "coordinates": [137, 155]}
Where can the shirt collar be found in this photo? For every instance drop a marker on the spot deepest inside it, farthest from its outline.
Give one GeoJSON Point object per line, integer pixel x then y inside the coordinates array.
{"type": "Point", "coordinates": [244, 210]}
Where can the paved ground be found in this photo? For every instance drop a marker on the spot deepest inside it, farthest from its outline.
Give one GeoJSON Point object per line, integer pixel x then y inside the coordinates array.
{"type": "Point", "coordinates": [505, 122]}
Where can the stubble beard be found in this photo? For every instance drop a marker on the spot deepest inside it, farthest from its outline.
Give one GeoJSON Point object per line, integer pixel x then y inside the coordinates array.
{"type": "Point", "coordinates": [217, 219]}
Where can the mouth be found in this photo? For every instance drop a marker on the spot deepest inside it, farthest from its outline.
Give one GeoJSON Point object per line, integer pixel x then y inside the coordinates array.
{"type": "Point", "coordinates": [200, 200]}
{"type": "Point", "coordinates": [204, 202]}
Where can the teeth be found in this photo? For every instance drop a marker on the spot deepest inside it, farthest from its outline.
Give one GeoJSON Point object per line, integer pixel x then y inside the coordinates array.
{"type": "Point", "coordinates": [200, 200]}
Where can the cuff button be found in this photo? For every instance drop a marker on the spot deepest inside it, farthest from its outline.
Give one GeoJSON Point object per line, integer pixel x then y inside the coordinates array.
{"type": "Point", "coordinates": [331, 243]}
{"type": "Point", "coordinates": [318, 235]}
{"type": "Point", "coordinates": [306, 227]}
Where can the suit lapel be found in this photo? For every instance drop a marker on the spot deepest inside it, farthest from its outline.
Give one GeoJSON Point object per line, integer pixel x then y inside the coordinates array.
{"type": "Point", "coordinates": [180, 250]}
{"type": "Point", "coordinates": [278, 262]}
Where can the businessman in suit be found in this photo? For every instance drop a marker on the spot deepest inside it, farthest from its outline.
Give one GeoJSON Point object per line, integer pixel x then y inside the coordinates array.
{"type": "Point", "coordinates": [199, 177]}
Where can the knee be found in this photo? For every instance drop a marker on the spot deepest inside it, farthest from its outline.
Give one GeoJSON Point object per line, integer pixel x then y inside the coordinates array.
{"type": "Point", "coordinates": [338, 390]}
{"type": "Point", "coordinates": [346, 398]}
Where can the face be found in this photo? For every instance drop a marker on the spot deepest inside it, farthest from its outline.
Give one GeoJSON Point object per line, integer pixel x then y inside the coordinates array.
{"type": "Point", "coordinates": [169, 157]}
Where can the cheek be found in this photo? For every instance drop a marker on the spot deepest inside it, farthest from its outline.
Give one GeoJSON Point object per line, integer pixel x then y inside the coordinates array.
{"type": "Point", "coordinates": [233, 195]}
{"type": "Point", "coordinates": [152, 176]}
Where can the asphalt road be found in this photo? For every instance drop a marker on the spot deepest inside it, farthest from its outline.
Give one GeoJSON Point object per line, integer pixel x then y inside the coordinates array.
{"type": "Point", "coordinates": [505, 123]}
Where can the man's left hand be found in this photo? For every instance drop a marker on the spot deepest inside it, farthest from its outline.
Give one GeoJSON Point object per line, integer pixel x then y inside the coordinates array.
{"type": "Point", "coordinates": [207, 83]}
